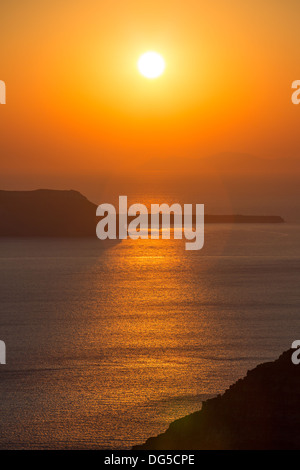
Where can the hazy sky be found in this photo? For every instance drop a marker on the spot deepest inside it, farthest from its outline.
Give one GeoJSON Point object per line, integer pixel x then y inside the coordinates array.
{"type": "Point", "coordinates": [76, 103]}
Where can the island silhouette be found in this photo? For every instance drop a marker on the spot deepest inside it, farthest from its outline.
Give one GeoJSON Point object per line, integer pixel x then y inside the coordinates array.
{"type": "Point", "coordinates": [67, 213]}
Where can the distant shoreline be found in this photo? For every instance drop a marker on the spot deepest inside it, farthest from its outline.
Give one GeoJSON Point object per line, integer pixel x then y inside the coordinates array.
{"type": "Point", "coordinates": [232, 219]}
{"type": "Point", "coordinates": [54, 213]}
{"type": "Point", "coordinates": [244, 219]}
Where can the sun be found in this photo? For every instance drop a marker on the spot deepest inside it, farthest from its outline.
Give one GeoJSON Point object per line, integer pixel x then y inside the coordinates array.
{"type": "Point", "coordinates": [151, 64]}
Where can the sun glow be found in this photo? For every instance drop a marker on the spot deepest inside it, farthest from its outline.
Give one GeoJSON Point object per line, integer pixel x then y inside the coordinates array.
{"type": "Point", "coordinates": [151, 65]}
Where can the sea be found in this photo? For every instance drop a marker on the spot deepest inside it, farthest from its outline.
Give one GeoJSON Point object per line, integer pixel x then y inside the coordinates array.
{"type": "Point", "coordinates": [108, 342]}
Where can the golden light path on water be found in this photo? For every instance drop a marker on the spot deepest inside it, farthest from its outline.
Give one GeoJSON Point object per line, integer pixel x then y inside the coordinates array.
{"type": "Point", "coordinates": [151, 333]}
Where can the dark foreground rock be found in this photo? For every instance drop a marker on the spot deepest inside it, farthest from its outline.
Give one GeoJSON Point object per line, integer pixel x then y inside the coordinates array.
{"type": "Point", "coordinates": [261, 411]}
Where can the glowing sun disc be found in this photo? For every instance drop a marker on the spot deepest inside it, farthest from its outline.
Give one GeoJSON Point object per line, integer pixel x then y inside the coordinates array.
{"type": "Point", "coordinates": [151, 64]}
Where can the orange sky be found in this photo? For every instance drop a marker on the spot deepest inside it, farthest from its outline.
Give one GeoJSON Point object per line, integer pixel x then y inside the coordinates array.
{"type": "Point", "coordinates": [76, 103]}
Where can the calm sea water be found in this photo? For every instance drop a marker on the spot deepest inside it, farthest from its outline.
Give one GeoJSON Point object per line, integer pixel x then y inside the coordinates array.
{"type": "Point", "coordinates": [108, 343]}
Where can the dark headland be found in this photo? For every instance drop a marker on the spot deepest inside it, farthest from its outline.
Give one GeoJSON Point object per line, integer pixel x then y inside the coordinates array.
{"type": "Point", "coordinates": [260, 411]}
{"type": "Point", "coordinates": [53, 213]}
{"type": "Point", "coordinates": [46, 213]}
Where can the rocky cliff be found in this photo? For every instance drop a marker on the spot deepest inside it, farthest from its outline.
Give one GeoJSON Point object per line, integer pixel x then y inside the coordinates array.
{"type": "Point", "coordinates": [260, 411]}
